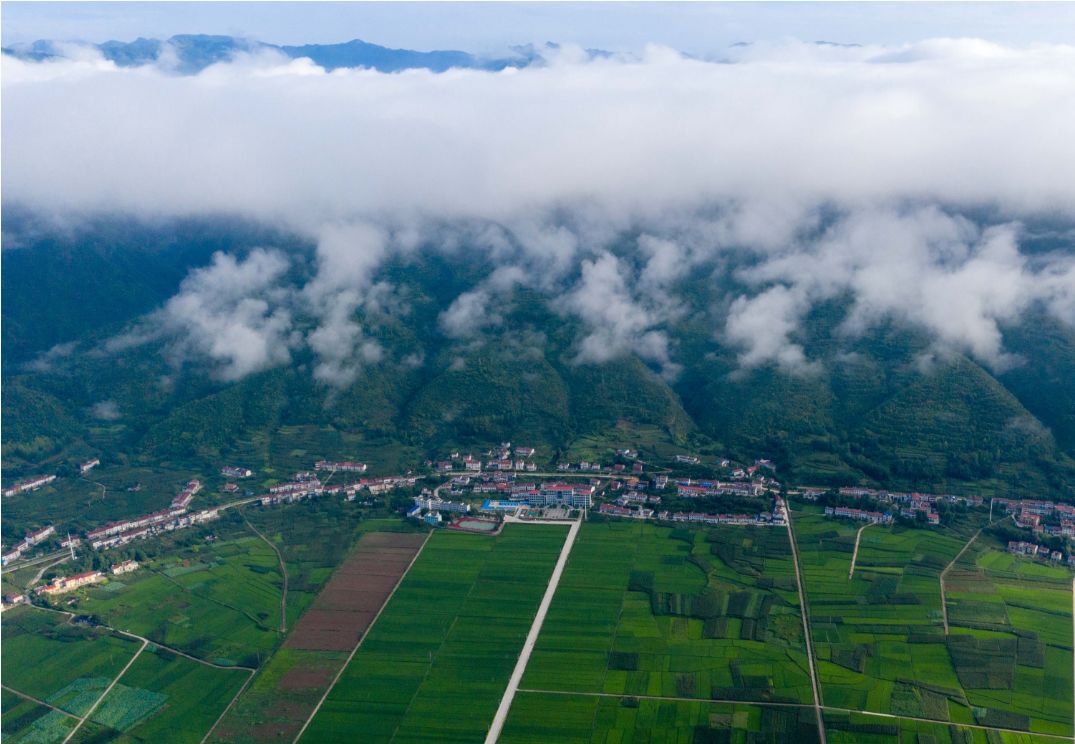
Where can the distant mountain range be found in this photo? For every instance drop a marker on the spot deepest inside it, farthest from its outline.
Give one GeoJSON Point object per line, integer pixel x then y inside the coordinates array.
{"type": "Point", "coordinates": [191, 53]}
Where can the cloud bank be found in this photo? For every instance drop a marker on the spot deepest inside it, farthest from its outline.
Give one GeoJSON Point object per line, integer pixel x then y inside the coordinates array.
{"type": "Point", "coordinates": [894, 176]}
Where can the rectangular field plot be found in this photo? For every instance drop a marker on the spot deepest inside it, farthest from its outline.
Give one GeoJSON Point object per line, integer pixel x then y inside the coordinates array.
{"type": "Point", "coordinates": [537, 718]}
{"type": "Point", "coordinates": [162, 697]}
{"type": "Point", "coordinates": [435, 665]}
{"type": "Point", "coordinates": [67, 666]}
{"type": "Point", "coordinates": [25, 721]}
{"type": "Point", "coordinates": [855, 728]}
{"type": "Point", "coordinates": [288, 687]}
{"type": "Point", "coordinates": [708, 613]}
{"type": "Point", "coordinates": [1011, 638]}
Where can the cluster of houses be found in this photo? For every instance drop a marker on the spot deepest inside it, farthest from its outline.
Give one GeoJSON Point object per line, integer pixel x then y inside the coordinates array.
{"type": "Point", "coordinates": [229, 471]}
{"type": "Point", "coordinates": [503, 458]}
{"type": "Point", "coordinates": [28, 543]}
{"type": "Point", "coordinates": [175, 517]}
{"type": "Point", "coordinates": [29, 484]}
{"type": "Point", "coordinates": [907, 504]}
{"type": "Point", "coordinates": [509, 488]}
{"type": "Point", "coordinates": [1033, 550]}
{"type": "Point", "coordinates": [701, 488]}
{"type": "Point", "coordinates": [777, 516]}
{"type": "Point", "coordinates": [1055, 520]}
{"type": "Point", "coordinates": [847, 512]}
{"type": "Point", "coordinates": [340, 467]}
{"type": "Point", "coordinates": [306, 485]}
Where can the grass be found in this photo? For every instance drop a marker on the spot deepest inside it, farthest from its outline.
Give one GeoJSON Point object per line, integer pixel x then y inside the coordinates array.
{"type": "Point", "coordinates": [650, 610]}
{"type": "Point", "coordinates": [436, 663]}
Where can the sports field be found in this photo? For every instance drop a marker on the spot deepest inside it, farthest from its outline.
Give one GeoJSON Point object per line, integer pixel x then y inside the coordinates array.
{"type": "Point", "coordinates": [434, 666]}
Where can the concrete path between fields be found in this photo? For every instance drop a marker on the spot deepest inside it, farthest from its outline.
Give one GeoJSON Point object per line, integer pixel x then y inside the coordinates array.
{"type": "Point", "coordinates": [855, 553]}
{"type": "Point", "coordinates": [531, 637]}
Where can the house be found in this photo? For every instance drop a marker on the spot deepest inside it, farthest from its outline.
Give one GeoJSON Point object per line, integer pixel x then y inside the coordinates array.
{"type": "Point", "coordinates": [35, 537]}
{"type": "Point", "coordinates": [70, 542]}
{"type": "Point", "coordinates": [524, 451]}
{"type": "Point", "coordinates": [340, 467]}
{"type": "Point", "coordinates": [88, 466]}
{"type": "Point", "coordinates": [124, 567]}
{"type": "Point", "coordinates": [230, 488]}
{"type": "Point", "coordinates": [687, 459]}
{"type": "Point", "coordinates": [231, 472]}
{"type": "Point", "coordinates": [14, 599]}
{"type": "Point", "coordinates": [11, 555]}
{"type": "Point", "coordinates": [30, 484]}
{"type": "Point", "coordinates": [432, 519]}
{"type": "Point", "coordinates": [63, 584]}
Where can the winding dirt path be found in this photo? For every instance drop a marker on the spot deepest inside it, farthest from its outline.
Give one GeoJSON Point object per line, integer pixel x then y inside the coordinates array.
{"type": "Point", "coordinates": [283, 571]}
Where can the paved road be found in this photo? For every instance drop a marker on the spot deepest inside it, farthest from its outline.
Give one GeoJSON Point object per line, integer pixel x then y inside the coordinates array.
{"type": "Point", "coordinates": [855, 553]}
{"type": "Point", "coordinates": [531, 637]}
{"type": "Point", "coordinates": [805, 612]}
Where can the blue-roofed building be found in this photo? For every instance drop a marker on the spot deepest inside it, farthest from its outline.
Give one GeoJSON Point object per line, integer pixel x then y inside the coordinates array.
{"type": "Point", "coordinates": [415, 511]}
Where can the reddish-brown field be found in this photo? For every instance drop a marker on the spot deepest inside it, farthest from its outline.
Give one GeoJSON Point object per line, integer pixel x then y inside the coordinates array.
{"type": "Point", "coordinates": [321, 640]}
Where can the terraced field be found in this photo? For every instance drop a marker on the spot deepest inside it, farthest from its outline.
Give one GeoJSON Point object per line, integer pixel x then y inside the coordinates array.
{"type": "Point", "coordinates": [434, 666]}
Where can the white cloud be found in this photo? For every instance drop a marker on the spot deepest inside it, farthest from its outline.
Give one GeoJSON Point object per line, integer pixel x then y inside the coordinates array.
{"type": "Point", "coordinates": [812, 161]}
{"type": "Point", "coordinates": [233, 314]}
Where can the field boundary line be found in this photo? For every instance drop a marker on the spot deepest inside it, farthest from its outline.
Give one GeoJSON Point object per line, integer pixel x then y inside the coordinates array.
{"type": "Point", "coordinates": [804, 611]}
{"type": "Point", "coordinates": [283, 570]}
{"type": "Point", "coordinates": [774, 704]}
{"type": "Point", "coordinates": [531, 638]}
{"type": "Point", "coordinates": [944, 600]}
{"type": "Point", "coordinates": [93, 708]}
{"type": "Point", "coordinates": [249, 679]}
{"type": "Point", "coordinates": [32, 699]}
{"type": "Point", "coordinates": [855, 552]}
{"type": "Point", "coordinates": [358, 645]}
{"type": "Point", "coordinates": [150, 641]}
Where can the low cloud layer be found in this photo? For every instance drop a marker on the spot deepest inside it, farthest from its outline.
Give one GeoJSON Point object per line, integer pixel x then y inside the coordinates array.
{"type": "Point", "coordinates": [809, 173]}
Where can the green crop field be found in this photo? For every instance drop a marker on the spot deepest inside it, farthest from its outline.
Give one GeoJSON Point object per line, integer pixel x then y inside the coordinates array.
{"type": "Point", "coordinates": [68, 666]}
{"type": "Point", "coordinates": [690, 613]}
{"type": "Point", "coordinates": [436, 663]}
{"type": "Point", "coordinates": [26, 721]}
{"type": "Point", "coordinates": [1011, 638]}
{"type": "Point", "coordinates": [856, 728]}
{"type": "Point", "coordinates": [879, 637]}
{"type": "Point", "coordinates": [163, 697]}
{"type": "Point", "coordinates": [218, 601]}
{"type": "Point", "coordinates": [537, 718]}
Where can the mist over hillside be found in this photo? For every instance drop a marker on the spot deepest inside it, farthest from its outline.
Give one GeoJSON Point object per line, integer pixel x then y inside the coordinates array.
{"type": "Point", "coordinates": [855, 260]}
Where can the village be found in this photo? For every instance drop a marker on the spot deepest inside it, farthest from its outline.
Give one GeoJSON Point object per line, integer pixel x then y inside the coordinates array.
{"type": "Point", "coordinates": [506, 483]}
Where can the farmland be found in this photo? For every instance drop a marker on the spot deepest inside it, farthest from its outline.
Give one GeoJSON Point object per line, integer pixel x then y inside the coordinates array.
{"type": "Point", "coordinates": [217, 601]}
{"type": "Point", "coordinates": [290, 685]}
{"type": "Point", "coordinates": [880, 641]}
{"type": "Point", "coordinates": [541, 717]}
{"type": "Point", "coordinates": [64, 665]}
{"type": "Point", "coordinates": [162, 697]}
{"type": "Point", "coordinates": [434, 666]}
{"type": "Point", "coordinates": [686, 613]}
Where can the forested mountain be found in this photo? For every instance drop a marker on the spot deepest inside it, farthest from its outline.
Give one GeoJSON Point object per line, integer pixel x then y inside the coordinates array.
{"type": "Point", "coordinates": [84, 373]}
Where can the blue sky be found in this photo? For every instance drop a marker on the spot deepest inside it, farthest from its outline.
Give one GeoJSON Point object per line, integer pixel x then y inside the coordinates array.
{"type": "Point", "coordinates": [487, 27]}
